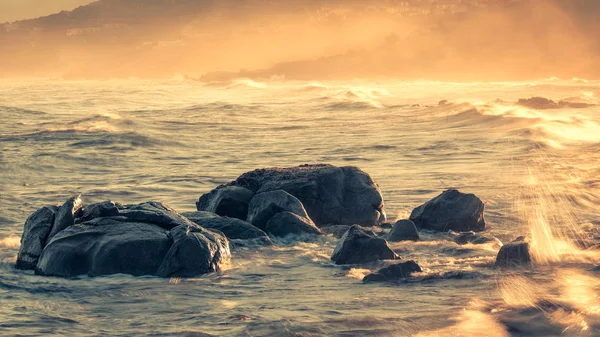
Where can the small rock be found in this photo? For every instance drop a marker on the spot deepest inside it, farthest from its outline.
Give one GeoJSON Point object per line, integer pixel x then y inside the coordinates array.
{"type": "Point", "coordinates": [65, 217]}
{"type": "Point", "coordinates": [474, 238]}
{"type": "Point", "coordinates": [231, 201]}
{"type": "Point", "coordinates": [97, 210]}
{"type": "Point", "coordinates": [265, 205]}
{"type": "Point", "coordinates": [35, 233]}
{"type": "Point", "coordinates": [514, 254]}
{"type": "Point", "coordinates": [394, 272]}
{"type": "Point", "coordinates": [403, 230]}
{"type": "Point", "coordinates": [356, 246]}
{"type": "Point", "coordinates": [234, 229]}
{"type": "Point", "coordinates": [451, 210]}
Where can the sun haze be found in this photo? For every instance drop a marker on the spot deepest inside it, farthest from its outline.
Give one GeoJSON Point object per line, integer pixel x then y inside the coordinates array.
{"type": "Point", "coordinates": [13, 10]}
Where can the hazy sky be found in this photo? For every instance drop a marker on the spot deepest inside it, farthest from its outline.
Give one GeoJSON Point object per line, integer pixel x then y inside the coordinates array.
{"type": "Point", "coordinates": [12, 10]}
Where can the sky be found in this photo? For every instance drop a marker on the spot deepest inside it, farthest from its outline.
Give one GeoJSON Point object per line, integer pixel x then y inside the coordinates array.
{"type": "Point", "coordinates": [13, 10]}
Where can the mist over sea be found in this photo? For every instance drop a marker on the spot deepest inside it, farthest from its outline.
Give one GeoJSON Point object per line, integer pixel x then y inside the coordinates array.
{"type": "Point", "coordinates": [537, 170]}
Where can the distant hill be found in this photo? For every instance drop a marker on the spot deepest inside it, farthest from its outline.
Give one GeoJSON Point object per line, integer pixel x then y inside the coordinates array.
{"type": "Point", "coordinates": [215, 39]}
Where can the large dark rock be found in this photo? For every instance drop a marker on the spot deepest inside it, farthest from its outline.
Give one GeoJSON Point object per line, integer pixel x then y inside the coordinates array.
{"type": "Point", "coordinates": [330, 195]}
{"type": "Point", "coordinates": [357, 246]}
{"type": "Point", "coordinates": [105, 246]}
{"type": "Point", "coordinates": [66, 215]}
{"type": "Point", "coordinates": [97, 210]}
{"type": "Point", "coordinates": [286, 223]}
{"type": "Point", "coordinates": [195, 251]}
{"type": "Point", "coordinates": [231, 201]}
{"type": "Point", "coordinates": [394, 272]}
{"type": "Point", "coordinates": [451, 210]}
{"type": "Point", "coordinates": [514, 254]}
{"type": "Point", "coordinates": [145, 239]}
{"type": "Point", "coordinates": [234, 229]}
{"type": "Point", "coordinates": [35, 233]}
{"type": "Point", "coordinates": [403, 230]}
{"type": "Point", "coordinates": [265, 205]}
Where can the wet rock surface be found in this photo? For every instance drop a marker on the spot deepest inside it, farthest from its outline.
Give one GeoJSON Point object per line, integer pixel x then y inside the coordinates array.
{"type": "Point", "coordinates": [286, 223]}
{"type": "Point", "coordinates": [35, 233]}
{"type": "Point", "coordinates": [451, 210]}
{"type": "Point", "coordinates": [231, 201]}
{"type": "Point", "coordinates": [514, 254]}
{"type": "Point", "coordinates": [394, 272]}
{"type": "Point", "coordinates": [403, 230]}
{"type": "Point", "coordinates": [357, 246]}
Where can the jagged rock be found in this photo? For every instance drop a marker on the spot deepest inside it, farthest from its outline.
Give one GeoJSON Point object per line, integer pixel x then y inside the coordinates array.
{"type": "Point", "coordinates": [195, 251]}
{"type": "Point", "coordinates": [234, 229]}
{"type": "Point", "coordinates": [285, 223]}
{"type": "Point", "coordinates": [403, 230]}
{"type": "Point", "coordinates": [105, 246]}
{"type": "Point", "coordinates": [514, 254]}
{"type": "Point", "coordinates": [538, 103]}
{"type": "Point", "coordinates": [394, 272]}
{"type": "Point", "coordinates": [35, 232]}
{"type": "Point", "coordinates": [265, 205]}
{"type": "Point", "coordinates": [451, 210]}
{"type": "Point", "coordinates": [474, 238]}
{"type": "Point", "coordinates": [145, 239]}
{"type": "Point", "coordinates": [97, 210]}
{"type": "Point", "coordinates": [356, 246]}
{"type": "Point", "coordinates": [330, 195]}
{"type": "Point", "coordinates": [66, 215]}
{"type": "Point", "coordinates": [231, 201]}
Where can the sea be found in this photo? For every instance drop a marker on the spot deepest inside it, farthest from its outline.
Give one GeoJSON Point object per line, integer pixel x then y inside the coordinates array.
{"type": "Point", "coordinates": [171, 140]}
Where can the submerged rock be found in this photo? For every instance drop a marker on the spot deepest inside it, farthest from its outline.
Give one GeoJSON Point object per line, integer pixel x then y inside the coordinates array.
{"type": "Point", "coordinates": [403, 230]}
{"type": "Point", "coordinates": [514, 254]}
{"type": "Point", "coordinates": [195, 251]}
{"type": "Point", "coordinates": [474, 238]}
{"type": "Point", "coordinates": [66, 215]}
{"type": "Point", "coordinates": [451, 210]}
{"type": "Point", "coordinates": [337, 230]}
{"type": "Point", "coordinates": [394, 272]}
{"type": "Point", "coordinates": [234, 229]}
{"type": "Point", "coordinates": [35, 233]}
{"type": "Point", "coordinates": [231, 201]}
{"type": "Point", "coordinates": [356, 246]}
{"type": "Point", "coordinates": [265, 205]}
{"type": "Point", "coordinates": [145, 239]}
{"type": "Point", "coordinates": [286, 223]}
{"type": "Point", "coordinates": [330, 195]}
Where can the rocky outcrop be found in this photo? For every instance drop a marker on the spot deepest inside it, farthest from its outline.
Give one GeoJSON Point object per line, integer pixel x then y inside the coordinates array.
{"type": "Point", "coordinates": [542, 103]}
{"type": "Point", "coordinates": [451, 210]}
{"type": "Point", "coordinates": [403, 230]}
{"type": "Point", "coordinates": [357, 246]}
{"type": "Point", "coordinates": [265, 205]}
{"type": "Point", "coordinates": [231, 201]}
{"type": "Point", "coordinates": [394, 272]}
{"type": "Point", "coordinates": [35, 233]}
{"type": "Point", "coordinates": [330, 195]}
{"type": "Point", "coordinates": [234, 229]}
{"type": "Point", "coordinates": [514, 254]}
{"type": "Point", "coordinates": [107, 238]}
{"type": "Point", "coordinates": [286, 223]}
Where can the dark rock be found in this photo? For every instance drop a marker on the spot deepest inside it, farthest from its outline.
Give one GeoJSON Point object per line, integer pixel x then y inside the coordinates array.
{"type": "Point", "coordinates": [66, 215]}
{"type": "Point", "coordinates": [443, 102]}
{"type": "Point", "coordinates": [474, 238]}
{"type": "Point", "coordinates": [356, 246]}
{"type": "Point", "coordinates": [195, 251]}
{"type": "Point", "coordinates": [97, 210]}
{"type": "Point", "coordinates": [403, 230]}
{"type": "Point", "coordinates": [451, 210]}
{"type": "Point", "coordinates": [35, 232]}
{"type": "Point", "coordinates": [105, 246]}
{"type": "Point", "coordinates": [231, 201]}
{"type": "Point", "coordinates": [337, 230]}
{"type": "Point", "coordinates": [394, 272]}
{"type": "Point", "coordinates": [265, 205]}
{"type": "Point", "coordinates": [538, 103]}
{"type": "Point", "coordinates": [330, 195]}
{"type": "Point", "coordinates": [234, 229]}
{"type": "Point", "coordinates": [514, 254]}
{"type": "Point", "coordinates": [285, 223]}
{"type": "Point", "coordinates": [155, 213]}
